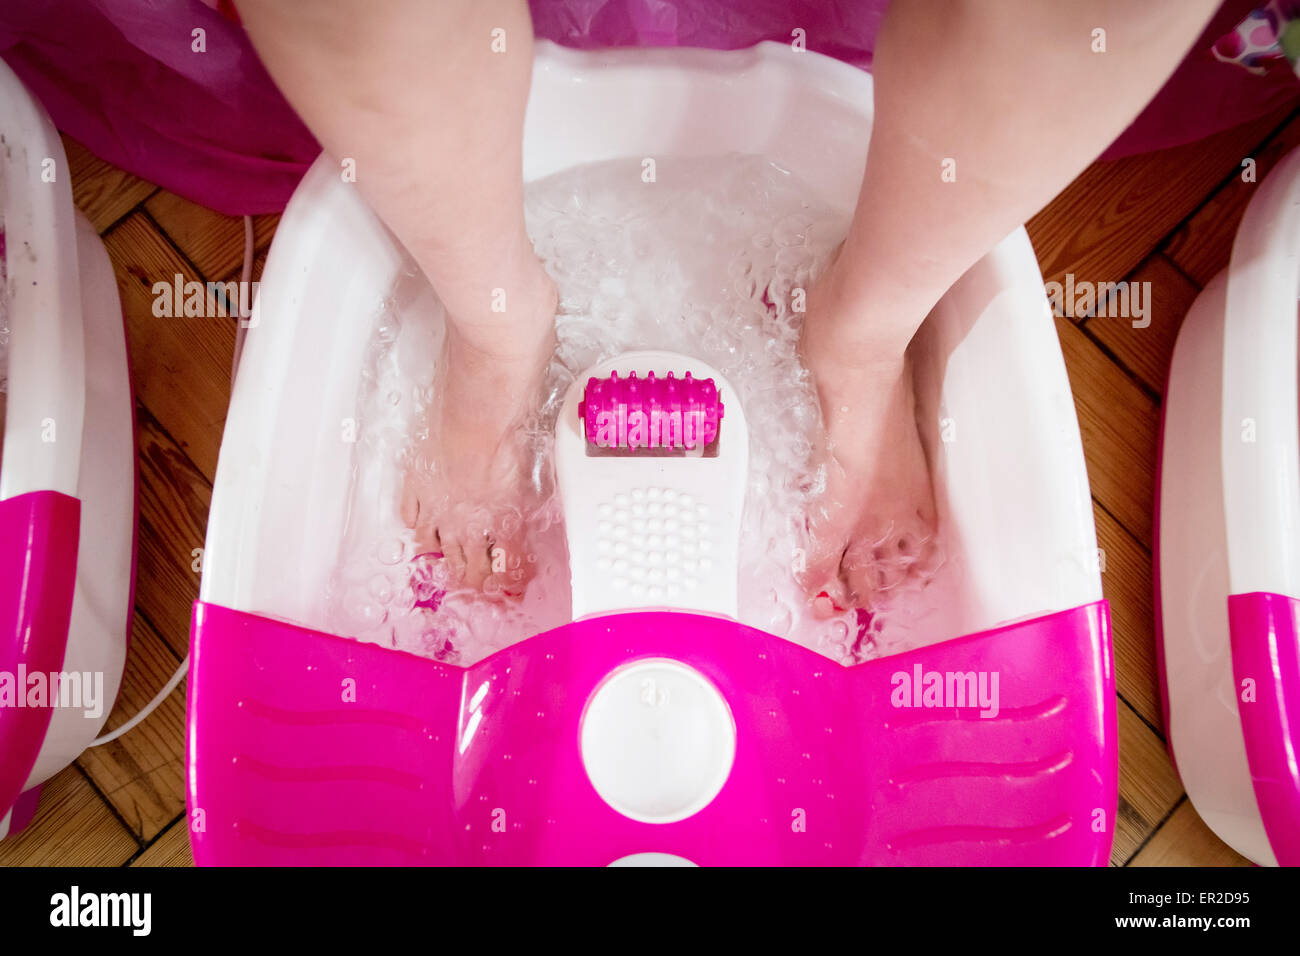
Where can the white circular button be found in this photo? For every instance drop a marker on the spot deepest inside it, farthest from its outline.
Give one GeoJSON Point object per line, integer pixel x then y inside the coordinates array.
{"type": "Point", "coordinates": [657, 741]}
{"type": "Point", "coordinates": [653, 859]}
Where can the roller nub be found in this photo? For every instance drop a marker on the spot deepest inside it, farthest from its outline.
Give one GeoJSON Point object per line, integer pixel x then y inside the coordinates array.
{"type": "Point", "coordinates": [652, 413]}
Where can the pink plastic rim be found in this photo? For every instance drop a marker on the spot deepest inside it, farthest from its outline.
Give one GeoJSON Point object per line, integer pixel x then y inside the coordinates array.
{"type": "Point", "coordinates": [304, 748]}
{"type": "Point", "coordinates": [38, 567]}
{"type": "Point", "coordinates": [1265, 634]}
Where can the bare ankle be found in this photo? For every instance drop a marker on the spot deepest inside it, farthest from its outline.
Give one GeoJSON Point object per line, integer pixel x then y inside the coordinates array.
{"type": "Point", "coordinates": [851, 323]}
{"type": "Point", "coordinates": [829, 350]}
{"type": "Point", "coordinates": [519, 327]}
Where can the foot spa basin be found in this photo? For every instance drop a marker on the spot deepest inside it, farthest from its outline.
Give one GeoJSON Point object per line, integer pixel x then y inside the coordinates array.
{"type": "Point", "coordinates": [67, 475]}
{"type": "Point", "coordinates": [1228, 549]}
{"type": "Point", "coordinates": [653, 722]}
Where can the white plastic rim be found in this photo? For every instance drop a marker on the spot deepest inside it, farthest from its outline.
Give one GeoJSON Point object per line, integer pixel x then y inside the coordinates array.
{"type": "Point", "coordinates": [43, 420]}
{"type": "Point", "coordinates": [1230, 497]}
{"type": "Point", "coordinates": [1009, 467]}
{"type": "Point", "coordinates": [1261, 427]}
{"type": "Point", "coordinates": [100, 621]}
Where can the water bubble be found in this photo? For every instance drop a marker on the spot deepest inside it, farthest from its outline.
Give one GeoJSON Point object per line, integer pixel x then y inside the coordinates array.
{"type": "Point", "coordinates": [390, 551]}
{"type": "Point", "coordinates": [838, 632]}
{"type": "Point", "coordinates": [791, 231]}
{"type": "Point", "coordinates": [381, 589]}
{"type": "Point", "coordinates": [705, 264]}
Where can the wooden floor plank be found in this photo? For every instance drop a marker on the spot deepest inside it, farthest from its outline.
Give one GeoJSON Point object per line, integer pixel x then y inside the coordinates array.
{"type": "Point", "coordinates": [142, 773]}
{"type": "Point", "coordinates": [1185, 840]}
{"type": "Point", "coordinates": [174, 499]}
{"type": "Point", "coordinates": [1148, 786]}
{"type": "Point", "coordinates": [1126, 584]}
{"type": "Point", "coordinates": [1145, 351]}
{"type": "Point", "coordinates": [1120, 424]}
{"type": "Point", "coordinates": [213, 242]}
{"type": "Point", "coordinates": [170, 849]}
{"type": "Point", "coordinates": [103, 192]}
{"type": "Point", "coordinates": [181, 366]}
{"type": "Point", "coordinates": [1114, 214]}
{"type": "Point", "coordinates": [73, 826]}
{"type": "Point", "coordinates": [1203, 245]}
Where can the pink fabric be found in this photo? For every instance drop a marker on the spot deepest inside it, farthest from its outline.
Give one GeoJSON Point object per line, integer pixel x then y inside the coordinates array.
{"type": "Point", "coordinates": [1205, 95]}
{"type": "Point", "coordinates": [121, 77]}
{"type": "Point", "coordinates": [845, 29]}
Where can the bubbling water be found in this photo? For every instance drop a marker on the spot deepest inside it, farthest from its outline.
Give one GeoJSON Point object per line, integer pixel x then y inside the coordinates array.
{"type": "Point", "coordinates": [710, 261]}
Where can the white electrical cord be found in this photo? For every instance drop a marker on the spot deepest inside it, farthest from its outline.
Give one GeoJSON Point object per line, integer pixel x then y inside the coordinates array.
{"type": "Point", "coordinates": [148, 708]}
{"type": "Point", "coordinates": [245, 277]}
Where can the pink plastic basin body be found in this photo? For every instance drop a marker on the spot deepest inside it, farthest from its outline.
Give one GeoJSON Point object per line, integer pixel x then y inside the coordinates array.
{"type": "Point", "coordinates": [38, 569]}
{"type": "Point", "coordinates": [1266, 651]}
{"type": "Point", "coordinates": [306, 748]}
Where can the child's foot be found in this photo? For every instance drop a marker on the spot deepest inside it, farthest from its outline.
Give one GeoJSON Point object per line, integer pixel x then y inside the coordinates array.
{"type": "Point", "coordinates": [467, 491]}
{"type": "Point", "coordinates": [873, 527]}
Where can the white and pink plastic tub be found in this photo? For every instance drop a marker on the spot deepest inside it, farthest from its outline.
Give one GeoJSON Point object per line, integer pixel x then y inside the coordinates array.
{"type": "Point", "coordinates": [1228, 587]}
{"type": "Point", "coordinates": [651, 735]}
{"type": "Point", "coordinates": [67, 476]}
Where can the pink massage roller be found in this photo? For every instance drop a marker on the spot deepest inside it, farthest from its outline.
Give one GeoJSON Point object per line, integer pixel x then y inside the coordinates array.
{"type": "Point", "coordinates": [652, 413]}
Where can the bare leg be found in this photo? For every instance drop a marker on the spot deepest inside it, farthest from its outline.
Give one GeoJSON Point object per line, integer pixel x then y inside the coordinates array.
{"type": "Point", "coordinates": [1013, 94]}
{"type": "Point", "coordinates": [421, 95]}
